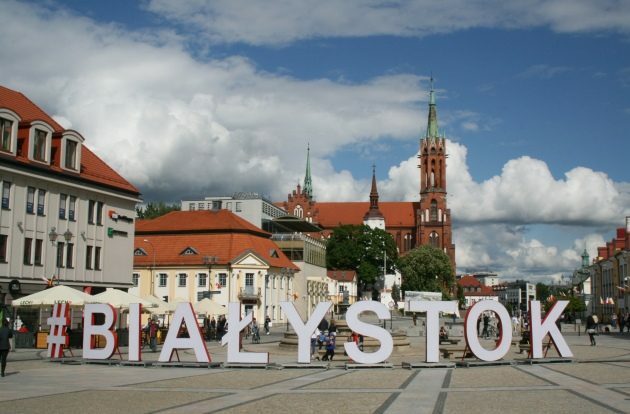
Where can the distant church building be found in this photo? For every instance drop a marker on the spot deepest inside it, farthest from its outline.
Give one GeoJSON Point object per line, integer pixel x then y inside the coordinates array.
{"type": "Point", "coordinates": [411, 224]}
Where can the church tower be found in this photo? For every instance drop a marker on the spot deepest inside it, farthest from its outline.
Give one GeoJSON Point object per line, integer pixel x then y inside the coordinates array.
{"type": "Point", "coordinates": [301, 203]}
{"type": "Point", "coordinates": [433, 216]}
{"type": "Point", "coordinates": [374, 219]}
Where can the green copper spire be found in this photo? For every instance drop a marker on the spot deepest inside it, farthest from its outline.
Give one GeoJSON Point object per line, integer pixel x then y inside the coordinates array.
{"type": "Point", "coordinates": [432, 124]}
{"type": "Point", "coordinates": [585, 258]}
{"type": "Point", "coordinates": [308, 184]}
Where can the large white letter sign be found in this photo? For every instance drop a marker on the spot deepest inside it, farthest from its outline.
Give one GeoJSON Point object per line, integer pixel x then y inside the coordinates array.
{"type": "Point", "coordinates": [366, 329]}
{"type": "Point", "coordinates": [303, 331]}
{"type": "Point", "coordinates": [58, 337]}
{"type": "Point", "coordinates": [184, 313]}
{"type": "Point", "coordinates": [106, 330]}
{"type": "Point", "coordinates": [539, 329]}
{"type": "Point", "coordinates": [233, 338]}
{"type": "Point", "coordinates": [433, 310]}
{"type": "Point", "coordinates": [135, 338]}
{"type": "Point", "coordinates": [471, 334]}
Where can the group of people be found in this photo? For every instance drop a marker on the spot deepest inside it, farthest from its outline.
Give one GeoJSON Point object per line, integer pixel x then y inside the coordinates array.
{"type": "Point", "coordinates": [324, 336]}
{"type": "Point", "coordinates": [621, 321]}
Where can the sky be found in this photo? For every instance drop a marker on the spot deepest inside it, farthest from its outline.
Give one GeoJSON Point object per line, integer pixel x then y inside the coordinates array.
{"type": "Point", "coordinates": [193, 98]}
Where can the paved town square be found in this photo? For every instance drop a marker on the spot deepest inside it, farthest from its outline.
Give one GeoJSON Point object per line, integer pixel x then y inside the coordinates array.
{"type": "Point", "coordinates": [597, 380]}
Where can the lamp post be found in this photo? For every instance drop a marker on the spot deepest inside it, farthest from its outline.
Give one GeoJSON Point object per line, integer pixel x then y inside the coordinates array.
{"type": "Point", "coordinates": [152, 285]}
{"type": "Point", "coordinates": [52, 236]}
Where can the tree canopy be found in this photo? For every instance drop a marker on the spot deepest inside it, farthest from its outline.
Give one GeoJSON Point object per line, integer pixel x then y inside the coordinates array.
{"type": "Point", "coordinates": [362, 249]}
{"type": "Point", "coordinates": [156, 209]}
{"type": "Point", "coordinates": [426, 269]}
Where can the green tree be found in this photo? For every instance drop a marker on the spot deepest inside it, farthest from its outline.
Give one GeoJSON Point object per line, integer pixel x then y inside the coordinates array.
{"type": "Point", "coordinates": [426, 269]}
{"type": "Point", "coordinates": [461, 299]}
{"type": "Point", "coordinates": [156, 209]}
{"type": "Point", "coordinates": [542, 291]}
{"type": "Point", "coordinates": [362, 249]}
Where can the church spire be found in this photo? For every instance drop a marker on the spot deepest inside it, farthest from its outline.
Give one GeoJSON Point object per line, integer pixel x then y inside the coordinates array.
{"type": "Point", "coordinates": [308, 184]}
{"type": "Point", "coordinates": [432, 124]}
{"type": "Point", "coordinates": [374, 218]}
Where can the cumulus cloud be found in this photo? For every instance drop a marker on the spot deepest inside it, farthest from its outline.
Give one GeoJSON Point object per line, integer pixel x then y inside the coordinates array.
{"type": "Point", "coordinates": [286, 21]}
{"type": "Point", "coordinates": [179, 127]}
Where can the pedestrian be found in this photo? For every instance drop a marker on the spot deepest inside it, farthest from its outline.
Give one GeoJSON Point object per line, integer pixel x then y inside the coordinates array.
{"type": "Point", "coordinates": [591, 328]}
{"type": "Point", "coordinates": [213, 329]}
{"type": "Point", "coordinates": [153, 330]}
{"type": "Point", "coordinates": [515, 325]}
{"type": "Point", "coordinates": [5, 346]}
{"type": "Point", "coordinates": [332, 329]}
{"type": "Point", "coordinates": [323, 325]}
{"type": "Point", "coordinates": [414, 318]}
{"type": "Point", "coordinates": [330, 348]}
{"type": "Point", "coordinates": [267, 324]}
{"type": "Point", "coordinates": [613, 321]}
{"type": "Point", "coordinates": [314, 338]}
{"type": "Point", "coordinates": [486, 323]}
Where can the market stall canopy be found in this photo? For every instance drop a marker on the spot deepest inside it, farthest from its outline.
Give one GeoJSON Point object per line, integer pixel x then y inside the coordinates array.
{"type": "Point", "coordinates": [161, 307]}
{"type": "Point", "coordinates": [208, 307]}
{"type": "Point", "coordinates": [57, 294]}
{"type": "Point", "coordinates": [121, 300]}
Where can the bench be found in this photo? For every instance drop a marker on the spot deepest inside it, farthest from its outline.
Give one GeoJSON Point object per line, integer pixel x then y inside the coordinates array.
{"type": "Point", "coordinates": [449, 341]}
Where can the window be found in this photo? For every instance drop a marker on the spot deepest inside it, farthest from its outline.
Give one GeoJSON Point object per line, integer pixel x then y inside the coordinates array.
{"type": "Point", "coordinates": [97, 258]}
{"type": "Point", "coordinates": [433, 215]}
{"type": "Point", "coordinates": [273, 285]}
{"type": "Point", "coordinates": [202, 280]}
{"type": "Point", "coordinates": [39, 145]}
{"type": "Point", "coordinates": [99, 213]}
{"type": "Point", "coordinates": [200, 206]}
{"type": "Point", "coordinates": [6, 129]}
{"type": "Point", "coordinates": [3, 248]}
{"type": "Point", "coordinates": [239, 206]}
{"type": "Point", "coordinates": [28, 242]}
{"type": "Point", "coordinates": [39, 243]}
{"type": "Point", "coordinates": [298, 211]}
{"type": "Point", "coordinates": [41, 202]}
{"type": "Point", "coordinates": [135, 278]}
{"type": "Point", "coordinates": [6, 194]}
{"type": "Point", "coordinates": [222, 279]}
{"type": "Point", "coordinates": [228, 205]}
{"type": "Point", "coordinates": [60, 246]}
{"type": "Point", "coordinates": [30, 200]}
{"type": "Point", "coordinates": [182, 280]}
{"type": "Point", "coordinates": [71, 155]}
{"type": "Point", "coordinates": [91, 204]}
{"type": "Point", "coordinates": [434, 240]}
{"type": "Point", "coordinates": [62, 206]}
{"type": "Point", "coordinates": [249, 279]}
{"type": "Point", "coordinates": [69, 255]}
{"type": "Point", "coordinates": [216, 205]}
{"type": "Point", "coordinates": [191, 207]}
{"type": "Point", "coordinates": [88, 257]}
{"type": "Point", "coordinates": [71, 208]}
{"type": "Point", "coordinates": [139, 252]}
{"type": "Point", "coordinates": [281, 282]}
{"type": "Point", "coordinates": [162, 280]}
{"type": "Point", "coordinates": [188, 251]}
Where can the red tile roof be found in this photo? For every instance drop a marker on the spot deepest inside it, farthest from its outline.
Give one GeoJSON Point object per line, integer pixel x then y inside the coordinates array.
{"type": "Point", "coordinates": [342, 275]}
{"type": "Point", "coordinates": [468, 281]}
{"type": "Point", "coordinates": [396, 213]}
{"type": "Point", "coordinates": [198, 221]}
{"type": "Point", "coordinates": [219, 233]}
{"type": "Point", "coordinates": [93, 169]}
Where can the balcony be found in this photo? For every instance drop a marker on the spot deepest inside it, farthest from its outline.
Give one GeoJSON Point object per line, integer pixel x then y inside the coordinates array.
{"type": "Point", "coordinates": [249, 293]}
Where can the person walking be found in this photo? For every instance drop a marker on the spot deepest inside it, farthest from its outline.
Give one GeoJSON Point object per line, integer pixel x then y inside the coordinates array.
{"type": "Point", "coordinates": [486, 322]}
{"type": "Point", "coordinates": [267, 324]}
{"type": "Point", "coordinates": [5, 346]}
{"type": "Point", "coordinates": [330, 348]}
{"type": "Point", "coordinates": [153, 329]}
{"type": "Point", "coordinates": [591, 328]}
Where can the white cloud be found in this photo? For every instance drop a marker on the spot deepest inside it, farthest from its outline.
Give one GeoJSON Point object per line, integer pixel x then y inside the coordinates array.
{"type": "Point", "coordinates": [286, 21]}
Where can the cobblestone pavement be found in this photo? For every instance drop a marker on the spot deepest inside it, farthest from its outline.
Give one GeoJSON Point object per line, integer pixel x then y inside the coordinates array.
{"type": "Point", "coordinates": [598, 380]}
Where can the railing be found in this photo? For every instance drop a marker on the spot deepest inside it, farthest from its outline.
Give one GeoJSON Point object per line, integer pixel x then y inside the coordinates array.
{"type": "Point", "coordinates": [249, 292]}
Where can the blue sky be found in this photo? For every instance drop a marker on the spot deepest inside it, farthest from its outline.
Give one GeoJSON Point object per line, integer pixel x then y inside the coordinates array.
{"type": "Point", "coordinates": [533, 96]}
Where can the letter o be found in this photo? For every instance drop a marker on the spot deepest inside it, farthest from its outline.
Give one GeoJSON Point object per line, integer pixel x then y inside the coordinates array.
{"type": "Point", "coordinates": [470, 330]}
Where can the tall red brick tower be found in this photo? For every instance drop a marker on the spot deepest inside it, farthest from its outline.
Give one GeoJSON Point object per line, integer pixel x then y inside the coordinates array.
{"type": "Point", "coordinates": [433, 218]}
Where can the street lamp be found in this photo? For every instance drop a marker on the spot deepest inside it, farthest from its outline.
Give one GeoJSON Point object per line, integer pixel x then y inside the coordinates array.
{"type": "Point", "coordinates": [152, 268]}
{"type": "Point", "coordinates": [52, 236]}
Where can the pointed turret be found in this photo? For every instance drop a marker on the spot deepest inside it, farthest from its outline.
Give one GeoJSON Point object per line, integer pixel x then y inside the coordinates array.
{"type": "Point", "coordinates": [308, 184]}
{"type": "Point", "coordinates": [585, 258]}
{"type": "Point", "coordinates": [374, 218]}
{"type": "Point", "coordinates": [432, 124]}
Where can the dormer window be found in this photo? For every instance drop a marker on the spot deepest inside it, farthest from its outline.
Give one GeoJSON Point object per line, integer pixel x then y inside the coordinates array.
{"type": "Point", "coordinates": [40, 140]}
{"type": "Point", "coordinates": [8, 131]}
{"type": "Point", "coordinates": [139, 252]}
{"type": "Point", "coordinates": [188, 251]}
{"type": "Point", "coordinates": [71, 150]}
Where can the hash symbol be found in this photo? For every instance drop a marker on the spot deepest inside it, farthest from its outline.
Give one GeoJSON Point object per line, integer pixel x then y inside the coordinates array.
{"type": "Point", "coordinates": [57, 338]}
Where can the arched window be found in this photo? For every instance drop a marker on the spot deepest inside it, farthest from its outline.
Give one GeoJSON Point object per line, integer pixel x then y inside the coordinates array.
{"type": "Point", "coordinates": [433, 211]}
{"type": "Point", "coordinates": [434, 239]}
{"type": "Point", "coordinates": [298, 211]}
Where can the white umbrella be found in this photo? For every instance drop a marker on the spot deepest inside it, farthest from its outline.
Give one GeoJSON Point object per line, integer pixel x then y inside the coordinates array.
{"type": "Point", "coordinates": [208, 307]}
{"type": "Point", "coordinates": [121, 300]}
{"type": "Point", "coordinates": [57, 294]}
{"type": "Point", "coordinates": [161, 307]}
